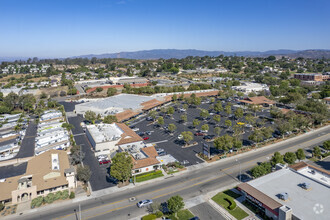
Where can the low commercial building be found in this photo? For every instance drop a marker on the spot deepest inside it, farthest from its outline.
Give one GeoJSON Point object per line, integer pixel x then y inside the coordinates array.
{"type": "Point", "coordinates": [248, 87]}
{"type": "Point", "coordinates": [144, 158]}
{"type": "Point", "coordinates": [258, 100]}
{"type": "Point", "coordinates": [113, 105]}
{"type": "Point", "coordinates": [308, 76]}
{"type": "Point", "coordinates": [128, 80]}
{"type": "Point", "coordinates": [108, 138]}
{"type": "Point", "coordinates": [300, 191]}
{"type": "Point", "coordinates": [46, 173]}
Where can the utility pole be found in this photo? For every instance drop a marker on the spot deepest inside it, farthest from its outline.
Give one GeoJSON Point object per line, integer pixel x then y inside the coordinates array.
{"type": "Point", "coordinates": [79, 212]}
{"type": "Point", "coordinates": [239, 163]}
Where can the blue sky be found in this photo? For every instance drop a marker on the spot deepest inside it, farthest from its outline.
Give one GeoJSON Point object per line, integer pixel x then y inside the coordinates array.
{"type": "Point", "coordinates": [62, 28]}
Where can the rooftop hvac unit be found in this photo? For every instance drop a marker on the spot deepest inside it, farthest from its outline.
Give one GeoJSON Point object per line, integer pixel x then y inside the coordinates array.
{"type": "Point", "coordinates": [284, 196]}
{"type": "Point", "coordinates": [305, 185]}
{"type": "Point", "coordinates": [137, 156]}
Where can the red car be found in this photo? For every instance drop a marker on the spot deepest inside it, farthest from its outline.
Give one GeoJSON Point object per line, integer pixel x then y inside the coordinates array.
{"type": "Point", "coordinates": [104, 161]}
{"type": "Point", "coordinates": [146, 138]}
{"type": "Point", "coordinates": [199, 134]}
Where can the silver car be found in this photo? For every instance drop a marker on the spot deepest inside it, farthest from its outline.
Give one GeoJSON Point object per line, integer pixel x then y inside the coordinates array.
{"type": "Point", "coordinates": [143, 203]}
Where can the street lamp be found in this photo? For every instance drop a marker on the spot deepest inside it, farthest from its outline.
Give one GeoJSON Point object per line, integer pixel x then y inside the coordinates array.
{"type": "Point", "coordinates": [239, 163]}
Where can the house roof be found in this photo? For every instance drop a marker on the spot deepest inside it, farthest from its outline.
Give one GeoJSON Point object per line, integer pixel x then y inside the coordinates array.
{"type": "Point", "coordinates": [260, 196]}
{"type": "Point", "coordinates": [149, 161]}
{"type": "Point", "coordinates": [257, 100]}
{"type": "Point", "coordinates": [43, 176]}
{"type": "Point", "coordinates": [128, 135]}
{"type": "Point", "coordinates": [126, 115]}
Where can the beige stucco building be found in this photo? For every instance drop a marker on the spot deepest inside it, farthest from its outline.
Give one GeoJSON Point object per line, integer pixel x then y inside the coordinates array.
{"type": "Point", "coordinates": [46, 173]}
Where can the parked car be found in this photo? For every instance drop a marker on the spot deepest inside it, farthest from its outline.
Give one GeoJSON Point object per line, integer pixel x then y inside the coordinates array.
{"type": "Point", "coordinates": [160, 150]}
{"type": "Point", "coordinates": [146, 138]}
{"type": "Point", "coordinates": [141, 133]}
{"type": "Point", "coordinates": [194, 218]}
{"type": "Point", "coordinates": [104, 161]}
{"type": "Point", "coordinates": [149, 119]}
{"type": "Point", "coordinates": [180, 137]}
{"type": "Point", "coordinates": [144, 203]}
{"type": "Point", "coordinates": [208, 137]}
{"type": "Point", "coordinates": [163, 153]}
{"type": "Point", "coordinates": [199, 134]}
{"type": "Point", "coordinates": [148, 132]}
{"type": "Point", "coordinates": [135, 129]}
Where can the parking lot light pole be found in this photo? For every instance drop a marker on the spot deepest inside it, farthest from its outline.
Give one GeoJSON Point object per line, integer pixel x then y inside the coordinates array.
{"type": "Point", "coordinates": [239, 163]}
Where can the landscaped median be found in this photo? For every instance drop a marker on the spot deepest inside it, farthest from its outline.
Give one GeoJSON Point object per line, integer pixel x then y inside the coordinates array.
{"type": "Point", "coordinates": [148, 176]}
{"type": "Point", "coordinates": [226, 200]}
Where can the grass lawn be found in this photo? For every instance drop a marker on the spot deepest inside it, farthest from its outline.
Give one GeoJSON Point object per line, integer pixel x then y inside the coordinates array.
{"type": "Point", "coordinates": [182, 215]}
{"type": "Point", "coordinates": [238, 213]}
{"type": "Point", "coordinates": [148, 176]}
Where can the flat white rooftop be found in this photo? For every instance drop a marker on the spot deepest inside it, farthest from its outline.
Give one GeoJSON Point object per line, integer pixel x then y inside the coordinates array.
{"type": "Point", "coordinates": [114, 104]}
{"type": "Point", "coordinates": [303, 202]}
{"type": "Point", "coordinates": [105, 132]}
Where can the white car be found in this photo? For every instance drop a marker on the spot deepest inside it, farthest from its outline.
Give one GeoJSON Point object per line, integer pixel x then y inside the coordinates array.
{"type": "Point", "coordinates": [180, 137]}
{"type": "Point", "coordinates": [135, 129]}
{"type": "Point", "coordinates": [143, 203]}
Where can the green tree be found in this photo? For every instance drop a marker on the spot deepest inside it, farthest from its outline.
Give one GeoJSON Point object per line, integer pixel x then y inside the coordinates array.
{"type": "Point", "coordinates": [153, 114]}
{"type": "Point", "coordinates": [204, 113]}
{"type": "Point", "coordinates": [205, 127]}
{"type": "Point", "coordinates": [185, 106]}
{"type": "Point", "coordinates": [111, 91]}
{"type": "Point", "coordinates": [187, 136]}
{"type": "Point", "coordinates": [67, 126]}
{"type": "Point", "coordinates": [109, 119]}
{"type": "Point", "coordinates": [196, 122]}
{"type": "Point", "coordinates": [170, 110]}
{"type": "Point", "coordinates": [160, 120]}
{"type": "Point", "coordinates": [228, 123]}
{"type": "Point", "coordinates": [99, 89]}
{"type": "Point", "coordinates": [228, 109]}
{"type": "Point", "coordinates": [184, 118]}
{"type": "Point", "coordinates": [317, 152]}
{"type": "Point", "coordinates": [290, 157]}
{"type": "Point", "coordinates": [217, 131]}
{"type": "Point", "coordinates": [218, 107]}
{"type": "Point", "coordinates": [83, 173]}
{"type": "Point", "coordinates": [171, 127]}
{"type": "Point", "coordinates": [326, 145]}
{"type": "Point", "coordinates": [90, 116]}
{"type": "Point", "coordinates": [43, 95]}
{"type": "Point", "coordinates": [175, 204]}
{"type": "Point", "coordinates": [217, 118]}
{"type": "Point", "coordinates": [257, 136]}
{"type": "Point", "coordinates": [239, 113]}
{"type": "Point", "coordinates": [300, 154]}
{"type": "Point", "coordinates": [174, 97]}
{"type": "Point", "coordinates": [277, 158]}
{"type": "Point", "coordinates": [224, 142]}
{"type": "Point", "coordinates": [121, 167]}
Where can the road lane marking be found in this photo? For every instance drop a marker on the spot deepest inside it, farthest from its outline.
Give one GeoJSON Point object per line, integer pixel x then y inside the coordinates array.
{"type": "Point", "coordinates": [231, 167]}
{"type": "Point", "coordinates": [157, 190]}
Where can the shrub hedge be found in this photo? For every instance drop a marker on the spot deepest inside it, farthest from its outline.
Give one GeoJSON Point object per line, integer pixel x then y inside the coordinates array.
{"type": "Point", "coordinates": [231, 202]}
{"type": "Point", "coordinates": [50, 198]}
{"type": "Point", "coordinates": [148, 176]}
{"type": "Point", "coordinates": [149, 217]}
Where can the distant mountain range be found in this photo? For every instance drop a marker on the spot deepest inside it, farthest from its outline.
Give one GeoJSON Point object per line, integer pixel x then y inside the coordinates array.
{"type": "Point", "coordinates": [174, 53]}
{"type": "Point", "coordinates": [179, 54]}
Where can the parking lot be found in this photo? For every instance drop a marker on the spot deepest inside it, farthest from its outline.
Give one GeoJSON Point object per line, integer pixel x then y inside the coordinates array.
{"type": "Point", "coordinates": [169, 141]}
{"type": "Point", "coordinates": [100, 173]}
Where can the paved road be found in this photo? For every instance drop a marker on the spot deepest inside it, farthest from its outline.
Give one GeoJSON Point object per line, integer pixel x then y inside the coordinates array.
{"type": "Point", "coordinates": [190, 184]}
{"type": "Point", "coordinates": [28, 143]}
{"type": "Point", "coordinates": [206, 211]}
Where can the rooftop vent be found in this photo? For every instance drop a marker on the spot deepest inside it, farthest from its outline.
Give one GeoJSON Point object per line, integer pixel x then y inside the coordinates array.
{"type": "Point", "coordinates": [305, 185]}
{"type": "Point", "coordinates": [284, 196]}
